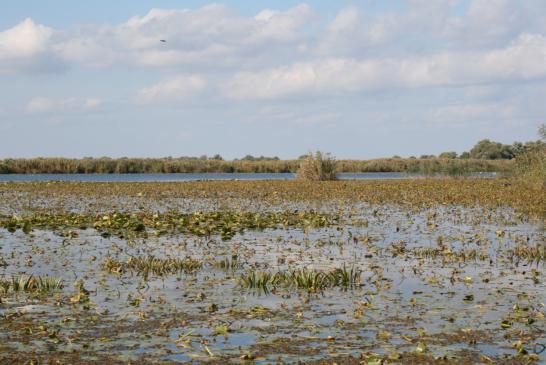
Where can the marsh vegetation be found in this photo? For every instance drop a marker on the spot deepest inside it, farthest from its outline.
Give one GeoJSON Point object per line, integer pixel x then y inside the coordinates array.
{"type": "Point", "coordinates": [438, 271]}
{"type": "Point", "coordinates": [171, 165]}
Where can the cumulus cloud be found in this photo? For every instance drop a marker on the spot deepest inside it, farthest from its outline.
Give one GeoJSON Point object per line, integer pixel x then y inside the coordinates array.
{"type": "Point", "coordinates": [276, 54]}
{"type": "Point", "coordinates": [216, 38]}
{"type": "Point", "coordinates": [523, 59]}
{"type": "Point", "coordinates": [48, 105]}
{"type": "Point", "coordinates": [493, 22]}
{"type": "Point", "coordinates": [27, 47]}
{"type": "Point", "coordinates": [212, 35]}
{"type": "Point", "coordinates": [429, 26]}
{"type": "Point", "coordinates": [176, 88]}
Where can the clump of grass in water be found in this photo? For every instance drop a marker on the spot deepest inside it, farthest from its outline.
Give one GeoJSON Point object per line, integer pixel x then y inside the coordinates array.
{"type": "Point", "coordinates": [317, 167]}
{"type": "Point", "coordinates": [227, 264]}
{"type": "Point", "coordinates": [260, 280]}
{"type": "Point", "coordinates": [312, 281]}
{"type": "Point", "coordinates": [528, 254]}
{"type": "Point", "coordinates": [146, 265]}
{"type": "Point", "coordinates": [346, 278]}
{"type": "Point", "coordinates": [30, 284]}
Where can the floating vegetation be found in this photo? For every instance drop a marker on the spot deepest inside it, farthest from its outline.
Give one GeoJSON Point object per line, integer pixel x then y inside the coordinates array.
{"type": "Point", "coordinates": [449, 255]}
{"type": "Point", "coordinates": [412, 193]}
{"type": "Point", "coordinates": [224, 223]}
{"type": "Point", "coordinates": [30, 284]}
{"type": "Point", "coordinates": [313, 281]}
{"type": "Point", "coordinates": [452, 272]}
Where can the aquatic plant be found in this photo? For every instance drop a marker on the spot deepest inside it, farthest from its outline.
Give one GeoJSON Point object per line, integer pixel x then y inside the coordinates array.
{"type": "Point", "coordinates": [228, 263]}
{"type": "Point", "coordinates": [30, 284]}
{"type": "Point", "coordinates": [260, 280]}
{"type": "Point", "coordinates": [146, 265]}
{"type": "Point", "coordinates": [395, 228]}
{"type": "Point", "coordinates": [317, 167]}
{"type": "Point", "coordinates": [346, 278]}
{"type": "Point", "coordinates": [312, 281]}
{"type": "Point", "coordinates": [528, 254]}
{"type": "Point", "coordinates": [205, 224]}
{"type": "Point", "coordinates": [448, 255]}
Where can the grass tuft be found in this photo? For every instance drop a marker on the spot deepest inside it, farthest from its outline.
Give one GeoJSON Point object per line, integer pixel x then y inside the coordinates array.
{"type": "Point", "coordinates": [30, 284]}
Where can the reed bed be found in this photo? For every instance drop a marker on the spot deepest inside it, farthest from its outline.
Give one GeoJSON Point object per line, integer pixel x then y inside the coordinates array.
{"type": "Point", "coordinates": [170, 165]}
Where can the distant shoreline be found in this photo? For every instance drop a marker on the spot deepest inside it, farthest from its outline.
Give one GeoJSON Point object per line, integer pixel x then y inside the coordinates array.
{"type": "Point", "coordinates": [424, 166]}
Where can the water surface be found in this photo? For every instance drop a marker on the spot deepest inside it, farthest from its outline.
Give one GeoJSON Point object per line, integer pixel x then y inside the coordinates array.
{"type": "Point", "coordinates": [201, 176]}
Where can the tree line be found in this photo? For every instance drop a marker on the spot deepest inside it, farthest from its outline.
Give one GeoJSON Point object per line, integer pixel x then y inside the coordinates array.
{"type": "Point", "coordinates": [485, 156]}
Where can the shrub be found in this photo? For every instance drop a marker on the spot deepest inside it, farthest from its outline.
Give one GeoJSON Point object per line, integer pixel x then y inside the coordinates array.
{"type": "Point", "coordinates": [317, 167]}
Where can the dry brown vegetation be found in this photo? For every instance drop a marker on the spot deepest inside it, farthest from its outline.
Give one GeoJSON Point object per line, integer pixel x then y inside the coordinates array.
{"type": "Point", "coordinates": [417, 193]}
{"type": "Point", "coordinates": [318, 167]}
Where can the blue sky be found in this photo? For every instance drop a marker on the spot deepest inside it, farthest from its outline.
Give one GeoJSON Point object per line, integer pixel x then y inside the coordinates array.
{"type": "Point", "coordinates": [359, 79]}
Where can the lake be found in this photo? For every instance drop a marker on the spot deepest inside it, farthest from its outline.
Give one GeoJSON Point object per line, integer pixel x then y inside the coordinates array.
{"type": "Point", "coordinates": [200, 176]}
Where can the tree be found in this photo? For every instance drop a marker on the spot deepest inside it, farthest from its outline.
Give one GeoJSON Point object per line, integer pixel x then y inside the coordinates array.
{"type": "Point", "coordinates": [488, 150]}
{"type": "Point", "coordinates": [450, 155]}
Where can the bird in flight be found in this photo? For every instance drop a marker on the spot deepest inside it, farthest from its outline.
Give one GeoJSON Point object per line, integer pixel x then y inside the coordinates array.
{"type": "Point", "coordinates": [163, 41]}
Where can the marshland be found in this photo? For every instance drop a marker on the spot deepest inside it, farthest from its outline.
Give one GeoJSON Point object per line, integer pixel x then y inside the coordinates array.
{"type": "Point", "coordinates": [412, 271]}
{"type": "Point", "coordinates": [258, 182]}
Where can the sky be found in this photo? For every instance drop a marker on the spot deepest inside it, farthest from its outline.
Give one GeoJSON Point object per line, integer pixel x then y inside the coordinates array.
{"type": "Point", "coordinates": [358, 79]}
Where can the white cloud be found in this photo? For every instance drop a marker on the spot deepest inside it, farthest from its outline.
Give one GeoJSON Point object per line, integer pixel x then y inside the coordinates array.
{"type": "Point", "coordinates": [492, 22]}
{"type": "Point", "coordinates": [26, 47]}
{"type": "Point", "coordinates": [211, 36]}
{"type": "Point", "coordinates": [350, 34]}
{"type": "Point", "coordinates": [214, 38]}
{"type": "Point", "coordinates": [523, 59]}
{"type": "Point", "coordinates": [470, 113]}
{"type": "Point", "coordinates": [48, 105]}
{"type": "Point", "coordinates": [177, 88]}
{"type": "Point", "coordinates": [431, 26]}
{"type": "Point", "coordinates": [25, 39]}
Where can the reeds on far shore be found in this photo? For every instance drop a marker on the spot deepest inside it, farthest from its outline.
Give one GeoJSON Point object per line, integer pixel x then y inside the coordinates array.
{"type": "Point", "coordinates": [106, 165]}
